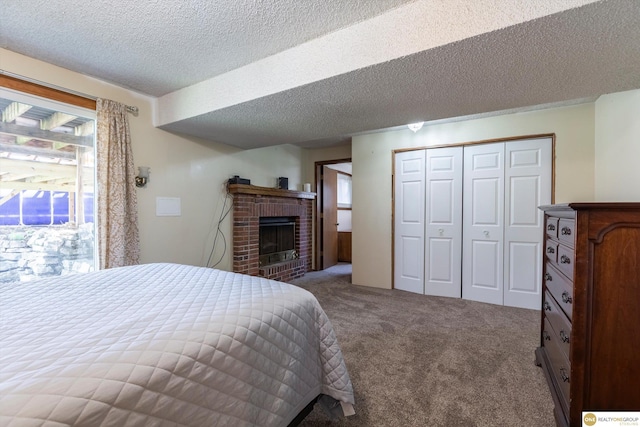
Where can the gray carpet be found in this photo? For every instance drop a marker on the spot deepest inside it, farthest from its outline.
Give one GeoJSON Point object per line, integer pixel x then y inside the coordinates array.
{"type": "Point", "coordinates": [417, 360]}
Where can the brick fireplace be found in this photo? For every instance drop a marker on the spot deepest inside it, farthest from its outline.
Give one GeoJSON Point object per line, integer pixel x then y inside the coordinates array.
{"type": "Point", "coordinates": [250, 203]}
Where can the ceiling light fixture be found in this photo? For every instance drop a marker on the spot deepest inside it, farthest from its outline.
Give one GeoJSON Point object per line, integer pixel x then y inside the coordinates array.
{"type": "Point", "coordinates": [415, 127]}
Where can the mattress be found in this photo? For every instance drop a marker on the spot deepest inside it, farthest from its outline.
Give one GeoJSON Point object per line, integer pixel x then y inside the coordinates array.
{"type": "Point", "coordinates": [164, 344]}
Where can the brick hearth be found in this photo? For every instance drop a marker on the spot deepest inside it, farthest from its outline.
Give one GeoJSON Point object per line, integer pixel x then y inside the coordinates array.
{"type": "Point", "coordinates": [249, 204]}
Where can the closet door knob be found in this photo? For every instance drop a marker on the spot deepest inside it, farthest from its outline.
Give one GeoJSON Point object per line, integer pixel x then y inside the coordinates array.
{"type": "Point", "coordinates": [486, 233]}
{"type": "Point", "coordinates": [441, 231]}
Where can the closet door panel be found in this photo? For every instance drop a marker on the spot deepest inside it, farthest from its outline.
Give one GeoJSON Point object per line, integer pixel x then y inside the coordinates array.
{"type": "Point", "coordinates": [440, 261]}
{"type": "Point", "coordinates": [483, 223]}
{"type": "Point", "coordinates": [443, 250]}
{"type": "Point", "coordinates": [485, 273]}
{"type": "Point", "coordinates": [409, 221]}
{"type": "Point", "coordinates": [527, 186]}
{"type": "Point", "coordinates": [521, 269]}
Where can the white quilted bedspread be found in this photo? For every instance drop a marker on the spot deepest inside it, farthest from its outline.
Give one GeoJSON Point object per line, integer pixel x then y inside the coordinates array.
{"type": "Point", "coordinates": [163, 344]}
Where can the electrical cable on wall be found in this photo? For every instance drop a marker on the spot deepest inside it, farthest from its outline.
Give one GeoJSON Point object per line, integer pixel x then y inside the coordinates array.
{"type": "Point", "coordinates": [223, 214]}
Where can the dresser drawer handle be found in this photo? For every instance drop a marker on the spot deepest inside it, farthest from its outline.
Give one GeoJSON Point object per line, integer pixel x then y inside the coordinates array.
{"type": "Point", "coordinates": [566, 298]}
{"type": "Point", "coordinates": [546, 336]}
{"type": "Point", "coordinates": [551, 251]}
{"type": "Point", "coordinates": [564, 336]}
{"type": "Point", "coordinates": [566, 231]}
{"type": "Point", "coordinates": [548, 277]}
{"type": "Point", "coordinates": [547, 306]}
{"type": "Point", "coordinates": [564, 375]}
{"type": "Point", "coordinates": [551, 227]}
{"type": "Point", "coordinates": [565, 260]}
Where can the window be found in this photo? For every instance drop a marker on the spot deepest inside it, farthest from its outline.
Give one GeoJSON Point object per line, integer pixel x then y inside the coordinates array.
{"type": "Point", "coordinates": [344, 190]}
{"type": "Point", "coordinates": [47, 181]}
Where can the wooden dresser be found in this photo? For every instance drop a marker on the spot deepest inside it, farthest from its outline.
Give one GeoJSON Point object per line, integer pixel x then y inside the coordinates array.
{"type": "Point", "coordinates": [590, 324]}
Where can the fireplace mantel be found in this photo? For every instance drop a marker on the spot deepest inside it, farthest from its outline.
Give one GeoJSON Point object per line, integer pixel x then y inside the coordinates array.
{"type": "Point", "coordinates": [267, 191]}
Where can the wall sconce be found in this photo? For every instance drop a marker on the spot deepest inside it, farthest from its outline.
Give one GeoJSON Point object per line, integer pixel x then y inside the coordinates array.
{"type": "Point", "coordinates": [143, 176]}
{"type": "Point", "coordinates": [415, 127]}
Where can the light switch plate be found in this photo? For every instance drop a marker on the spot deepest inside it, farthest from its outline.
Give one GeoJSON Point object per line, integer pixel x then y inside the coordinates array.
{"type": "Point", "coordinates": [168, 206]}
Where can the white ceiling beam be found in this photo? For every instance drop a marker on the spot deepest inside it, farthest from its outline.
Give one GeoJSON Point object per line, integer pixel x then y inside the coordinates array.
{"type": "Point", "coordinates": [416, 27]}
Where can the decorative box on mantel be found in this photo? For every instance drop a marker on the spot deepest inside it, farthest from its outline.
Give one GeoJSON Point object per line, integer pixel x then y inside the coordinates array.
{"type": "Point", "coordinates": [280, 248]}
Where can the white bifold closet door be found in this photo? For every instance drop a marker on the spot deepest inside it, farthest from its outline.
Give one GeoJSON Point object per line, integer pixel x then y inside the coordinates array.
{"type": "Point", "coordinates": [504, 183]}
{"type": "Point", "coordinates": [443, 240]}
{"type": "Point", "coordinates": [528, 174]}
{"type": "Point", "coordinates": [483, 223]}
{"type": "Point", "coordinates": [467, 223]}
{"type": "Point", "coordinates": [409, 223]}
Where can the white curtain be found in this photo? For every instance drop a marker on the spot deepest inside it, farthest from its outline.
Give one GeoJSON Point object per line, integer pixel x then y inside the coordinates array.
{"type": "Point", "coordinates": [119, 242]}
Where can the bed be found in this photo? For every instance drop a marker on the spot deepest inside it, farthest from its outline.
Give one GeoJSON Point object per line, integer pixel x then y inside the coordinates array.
{"type": "Point", "coordinates": [164, 344]}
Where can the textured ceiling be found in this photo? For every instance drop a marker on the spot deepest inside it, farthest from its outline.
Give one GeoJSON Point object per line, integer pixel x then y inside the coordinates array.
{"type": "Point", "coordinates": [313, 73]}
{"type": "Point", "coordinates": [158, 46]}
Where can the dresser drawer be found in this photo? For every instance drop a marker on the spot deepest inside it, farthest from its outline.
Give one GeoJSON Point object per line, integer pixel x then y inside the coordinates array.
{"type": "Point", "coordinates": [566, 260]}
{"type": "Point", "coordinates": [559, 367]}
{"type": "Point", "coordinates": [560, 288]}
{"type": "Point", "coordinates": [551, 250]}
{"type": "Point", "coordinates": [551, 227]}
{"type": "Point", "coordinates": [566, 231]}
{"type": "Point", "coordinates": [559, 322]}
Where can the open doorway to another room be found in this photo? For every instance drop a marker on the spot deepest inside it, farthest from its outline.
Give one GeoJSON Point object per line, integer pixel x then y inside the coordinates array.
{"type": "Point", "coordinates": [333, 214]}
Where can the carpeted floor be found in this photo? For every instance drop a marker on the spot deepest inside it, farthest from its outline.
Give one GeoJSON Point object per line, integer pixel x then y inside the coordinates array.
{"type": "Point", "coordinates": [417, 360]}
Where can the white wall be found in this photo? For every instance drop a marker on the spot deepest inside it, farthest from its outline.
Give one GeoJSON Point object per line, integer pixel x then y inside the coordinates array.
{"type": "Point", "coordinates": [344, 220]}
{"type": "Point", "coordinates": [313, 155]}
{"type": "Point", "coordinates": [195, 170]}
{"type": "Point", "coordinates": [184, 167]}
{"type": "Point", "coordinates": [372, 172]}
{"type": "Point", "coordinates": [618, 147]}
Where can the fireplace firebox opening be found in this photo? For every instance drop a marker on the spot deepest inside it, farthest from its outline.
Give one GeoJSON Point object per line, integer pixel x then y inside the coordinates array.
{"type": "Point", "coordinates": [277, 239]}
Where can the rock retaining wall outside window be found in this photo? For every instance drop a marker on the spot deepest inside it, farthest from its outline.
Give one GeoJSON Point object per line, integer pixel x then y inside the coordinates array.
{"type": "Point", "coordinates": [28, 253]}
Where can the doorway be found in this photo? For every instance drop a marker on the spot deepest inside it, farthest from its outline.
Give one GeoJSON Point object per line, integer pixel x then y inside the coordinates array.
{"type": "Point", "coordinates": [333, 212]}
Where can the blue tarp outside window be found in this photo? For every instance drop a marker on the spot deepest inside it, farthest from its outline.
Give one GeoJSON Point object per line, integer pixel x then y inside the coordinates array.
{"type": "Point", "coordinates": [41, 208]}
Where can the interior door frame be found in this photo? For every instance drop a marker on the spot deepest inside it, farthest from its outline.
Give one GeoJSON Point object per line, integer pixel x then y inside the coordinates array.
{"type": "Point", "coordinates": [317, 235]}
{"type": "Point", "coordinates": [484, 141]}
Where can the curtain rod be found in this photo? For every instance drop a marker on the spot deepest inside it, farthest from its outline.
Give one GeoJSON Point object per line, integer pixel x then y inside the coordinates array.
{"type": "Point", "coordinates": [130, 108]}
